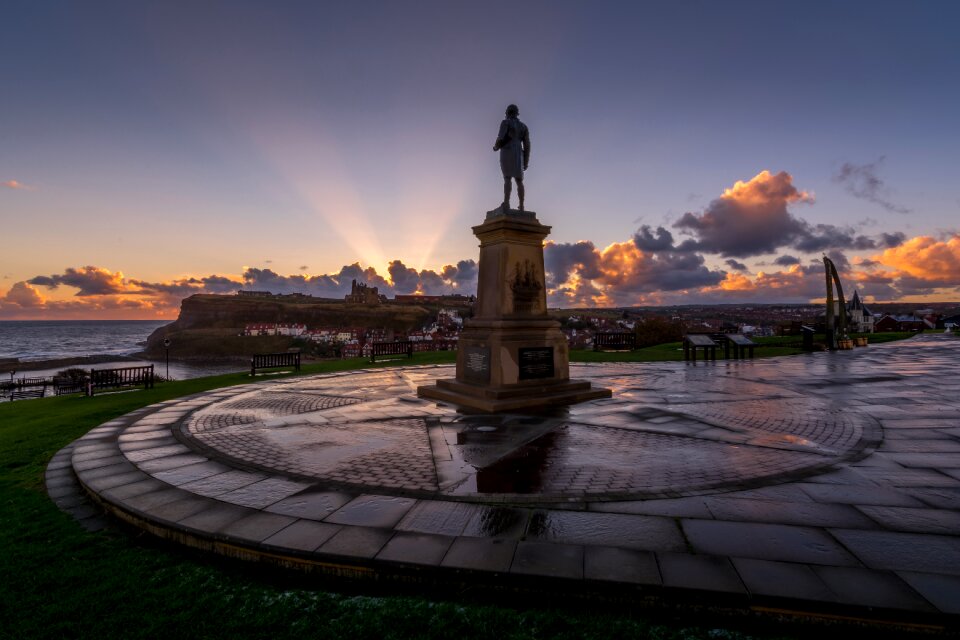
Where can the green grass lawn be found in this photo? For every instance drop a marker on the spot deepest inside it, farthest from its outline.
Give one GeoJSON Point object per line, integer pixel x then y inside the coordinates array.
{"type": "Point", "coordinates": [58, 581]}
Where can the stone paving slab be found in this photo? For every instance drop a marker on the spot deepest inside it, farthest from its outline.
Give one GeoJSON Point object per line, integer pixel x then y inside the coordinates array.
{"type": "Point", "coordinates": [828, 480]}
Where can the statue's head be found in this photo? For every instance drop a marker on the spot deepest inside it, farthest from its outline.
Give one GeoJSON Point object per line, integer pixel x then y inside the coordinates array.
{"type": "Point", "coordinates": [513, 111]}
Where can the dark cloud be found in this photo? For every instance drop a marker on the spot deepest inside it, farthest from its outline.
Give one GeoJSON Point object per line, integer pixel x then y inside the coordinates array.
{"type": "Point", "coordinates": [890, 240]}
{"type": "Point", "coordinates": [323, 286]}
{"type": "Point", "coordinates": [736, 266]}
{"type": "Point", "coordinates": [786, 260]}
{"type": "Point", "coordinates": [861, 181]}
{"type": "Point", "coordinates": [646, 241]}
{"type": "Point", "coordinates": [839, 260]}
{"type": "Point", "coordinates": [459, 278]}
{"type": "Point", "coordinates": [564, 259]}
{"type": "Point", "coordinates": [90, 280]}
{"type": "Point", "coordinates": [463, 275]}
{"type": "Point", "coordinates": [186, 286]}
{"type": "Point", "coordinates": [579, 274]}
{"type": "Point", "coordinates": [405, 279]}
{"type": "Point", "coordinates": [822, 237]}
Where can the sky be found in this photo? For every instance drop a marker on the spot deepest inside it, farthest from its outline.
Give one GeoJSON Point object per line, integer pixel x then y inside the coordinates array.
{"type": "Point", "coordinates": [682, 152]}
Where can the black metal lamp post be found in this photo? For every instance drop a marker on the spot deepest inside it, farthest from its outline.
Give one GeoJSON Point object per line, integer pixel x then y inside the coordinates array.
{"type": "Point", "coordinates": [166, 344]}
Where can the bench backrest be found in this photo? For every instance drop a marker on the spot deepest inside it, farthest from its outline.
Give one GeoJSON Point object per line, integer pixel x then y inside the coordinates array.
{"type": "Point", "coordinates": [264, 360]}
{"type": "Point", "coordinates": [271, 360]}
{"type": "Point", "coordinates": [396, 348]}
{"type": "Point", "coordinates": [615, 339]}
{"type": "Point", "coordinates": [122, 377]}
{"type": "Point", "coordinates": [23, 394]}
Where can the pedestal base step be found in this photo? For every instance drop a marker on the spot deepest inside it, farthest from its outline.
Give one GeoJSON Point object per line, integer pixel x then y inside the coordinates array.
{"type": "Point", "coordinates": [496, 400]}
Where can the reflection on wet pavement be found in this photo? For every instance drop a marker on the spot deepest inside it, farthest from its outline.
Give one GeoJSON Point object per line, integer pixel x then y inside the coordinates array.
{"type": "Point", "coordinates": [669, 430]}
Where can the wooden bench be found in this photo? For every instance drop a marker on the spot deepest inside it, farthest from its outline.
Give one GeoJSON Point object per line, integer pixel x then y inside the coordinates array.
{"type": "Point", "coordinates": [274, 361]}
{"type": "Point", "coordinates": [738, 343]}
{"type": "Point", "coordinates": [62, 388]}
{"type": "Point", "coordinates": [120, 378]}
{"type": "Point", "coordinates": [397, 348]}
{"type": "Point", "coordinates": [615, 341]}
{"type": "Point", "coordinates": [25, 393]}
{"type": "Point", "coordinates": [694, 341]}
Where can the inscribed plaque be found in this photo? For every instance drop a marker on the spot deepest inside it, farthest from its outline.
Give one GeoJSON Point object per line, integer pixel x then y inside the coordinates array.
{"type": "Point", "coordinates": [476, 364]}
{"type": "Point", "coordinates": [535, 362]}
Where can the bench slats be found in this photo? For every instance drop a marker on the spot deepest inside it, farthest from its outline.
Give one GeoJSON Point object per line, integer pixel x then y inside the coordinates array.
{"type": "Point", "coordinates": [615, 341]}
{"type": "Point", "coordinates": [396, 348]}
{"type": "Point", "coordinates": [122, 377]}
{"type": "Point", "coordinates": [274, 360]}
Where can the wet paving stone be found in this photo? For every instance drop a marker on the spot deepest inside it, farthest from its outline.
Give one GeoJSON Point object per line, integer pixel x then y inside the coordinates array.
{"type": "Point", "coordinates": [671, 507]}
{"type": "Point", "coordinates": [415, 548]}
{"type": "Point", "coordinates": [610, 529]}
{"type": "Point", "coordinates": [312, 505]}
{"type": "Point", "coordinates": [257, 527]}
{"type": "Point", "coordinates": [708, 573]}
{"type": "Point", "coordinates": [547, 559]}
{"type": "Point", "coordinates": [170, 462]}
{"type": "Point", "coordinates": [302, 535]}
{"type": "Point", "coordinates": [222, 483]}
{"type": "Point", "coordinates": [765, 542]}
{"type": "Point", "coordinates": [620, 565]}
{"type": "Point", "coordinates": [871, 588]}
{"type": "Point", "coordinates": [782, 579]}
{"type": "Point", "coordinates": [903, 551]}
{"type": "Point", "coordinates": [357, 542]}
{"type": "Point", "coordinates": [104, 483]}
{"type": "Point", "coordinates": [190, 473]}
{"type": "Point", "coordinates": [915, 520]}
{"type": "Point", "coordinates": [481, 554]}
{"type": "Point", "coordinates": [859, 495]}
{"type": "Point", "coordinates": [940, 590]}
{"type": "Point", "coordinates": [497, 522]}
{"type": "Point", "coordinates": [215, 517]}
{"type": "Point", "coordinates": [372, 511]}
{"type": "Point", "coordinates": [264, 492]}
{"type": "Point", "coordinates": [180, 509]}
{"type": "Point", "coordinates": [797, 513]}
{"type": "Point", "coordinates": [446, 518]}
{"type": "Point", "coordinates": [132, 489]}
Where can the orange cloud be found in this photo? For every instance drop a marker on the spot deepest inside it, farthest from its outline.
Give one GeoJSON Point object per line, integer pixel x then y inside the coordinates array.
{"type": "Point", "coordinates": [765, 191]}
{"type": "Point", "coordinates": [13, 184]}
{"type": "Point", "coordinates": [925, 258]}
{"type": "Point", "coordinates": [22, 295]}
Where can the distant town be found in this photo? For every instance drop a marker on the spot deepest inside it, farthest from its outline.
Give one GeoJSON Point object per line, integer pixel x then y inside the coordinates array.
{"type": "Point", "coordinates": [442, 331]}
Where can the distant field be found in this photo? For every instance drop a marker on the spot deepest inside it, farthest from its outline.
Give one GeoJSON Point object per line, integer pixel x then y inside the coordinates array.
{"type": "Point", "coordinates": [62, 582]}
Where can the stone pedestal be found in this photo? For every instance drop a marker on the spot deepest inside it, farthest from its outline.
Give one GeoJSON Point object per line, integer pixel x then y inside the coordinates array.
{"type": "Point", "coordinates": [511, 355]}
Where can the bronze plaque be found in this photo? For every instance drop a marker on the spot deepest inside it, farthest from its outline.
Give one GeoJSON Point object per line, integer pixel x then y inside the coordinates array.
{"type": "Point", "coordinates": [535, 362]}
{"type": "Point", "coordinates": [476, 364]}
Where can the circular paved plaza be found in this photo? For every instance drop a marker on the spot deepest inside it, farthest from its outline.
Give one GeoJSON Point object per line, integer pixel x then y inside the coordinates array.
{"type": "Point", "coordinates": [367, 431]}
{"type": "Point", "coordinates": [823, 481]}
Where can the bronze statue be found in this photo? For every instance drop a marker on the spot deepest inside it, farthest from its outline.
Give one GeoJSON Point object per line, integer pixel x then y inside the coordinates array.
{"type": "Point", "coordinates": [513, 143]}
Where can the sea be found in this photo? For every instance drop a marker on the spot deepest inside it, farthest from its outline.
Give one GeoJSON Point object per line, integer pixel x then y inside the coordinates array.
{"type": "Point", "coordinates": [32, 340]}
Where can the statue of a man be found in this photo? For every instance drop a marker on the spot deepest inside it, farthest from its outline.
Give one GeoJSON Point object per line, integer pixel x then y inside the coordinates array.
{"type": "Point", "coordinates": [513, 143]}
